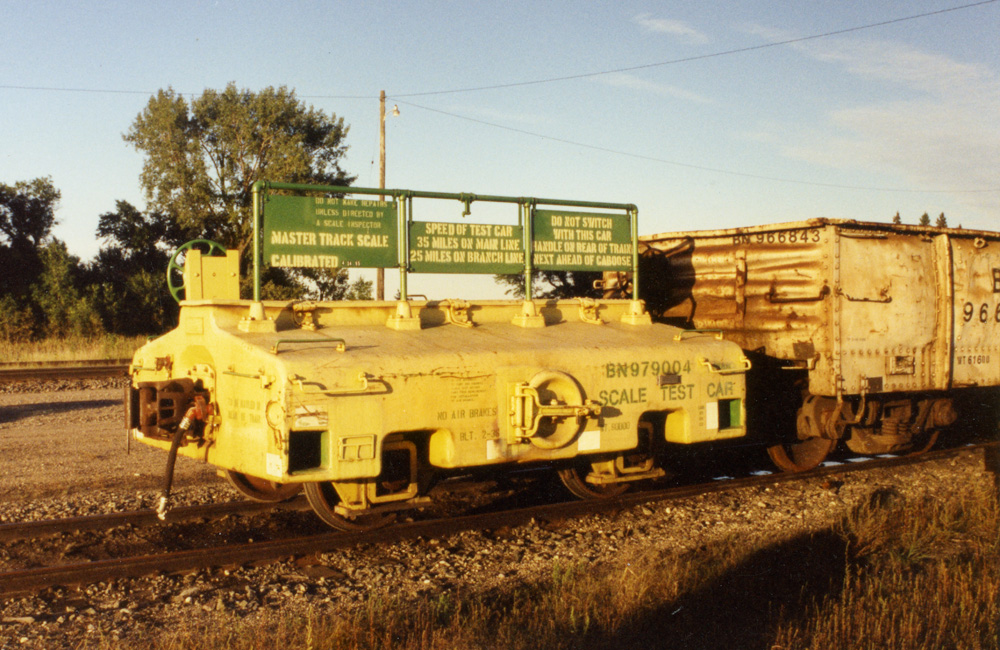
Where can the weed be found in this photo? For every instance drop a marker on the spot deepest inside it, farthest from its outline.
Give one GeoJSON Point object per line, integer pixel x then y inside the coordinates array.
{"type": "Point", "coordinates": [920, 575]}
{"type": "Point", "coordinates": [71, 348]}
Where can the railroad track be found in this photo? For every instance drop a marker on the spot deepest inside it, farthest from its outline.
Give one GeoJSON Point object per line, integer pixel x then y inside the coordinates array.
{"type": "Point", "coordinates": [137, 518]}
{"type": "Point", "coordinates": [43, 528]}
{"type": "Point", "coordinates": [30, 580]}
{"type": "Point", "coordinates": [87, 369]}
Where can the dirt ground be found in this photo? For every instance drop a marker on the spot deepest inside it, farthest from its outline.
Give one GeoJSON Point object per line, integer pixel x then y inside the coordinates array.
{"type": "Point", "coordinates": [59, 443]}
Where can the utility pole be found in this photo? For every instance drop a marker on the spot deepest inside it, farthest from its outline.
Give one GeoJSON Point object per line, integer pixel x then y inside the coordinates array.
{"type": "Point", "coordinates": [380, 274]}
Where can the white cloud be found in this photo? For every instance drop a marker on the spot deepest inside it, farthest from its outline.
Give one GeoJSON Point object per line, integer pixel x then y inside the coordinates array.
{"type": "Point", "coordinates": [672, 27]}
{"type": "Point", "coordinates": [622, 80]}
{"type": "Point", "coordinates": [893, 61]}
{"type": "Point", "coordinates": [901, 64]}
{"type": "Point", "coordinates": [938, 128]}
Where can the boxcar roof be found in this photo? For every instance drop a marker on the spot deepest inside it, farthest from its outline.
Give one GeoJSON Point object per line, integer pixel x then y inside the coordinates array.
{"type": "Point", "coordinates": [823, 223]}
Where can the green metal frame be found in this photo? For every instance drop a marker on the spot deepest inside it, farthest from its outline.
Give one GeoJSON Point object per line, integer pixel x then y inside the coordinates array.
{"type": "Point", "coordinates": [404, 205]}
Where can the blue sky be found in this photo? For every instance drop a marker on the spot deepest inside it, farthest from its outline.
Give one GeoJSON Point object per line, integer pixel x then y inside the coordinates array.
{"type": "Point", "coordinates": [904, 116]}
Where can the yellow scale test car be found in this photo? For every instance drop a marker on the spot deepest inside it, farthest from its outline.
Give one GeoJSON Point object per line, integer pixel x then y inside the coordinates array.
{"type": "Point", "coordinates": [364, 404]}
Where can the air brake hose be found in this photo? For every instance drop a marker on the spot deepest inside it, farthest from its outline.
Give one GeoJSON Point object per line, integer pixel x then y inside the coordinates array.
{"type": "Point", "coordinates": [161, 507]}
{"type": "Point", "coordinates": [196, 412]}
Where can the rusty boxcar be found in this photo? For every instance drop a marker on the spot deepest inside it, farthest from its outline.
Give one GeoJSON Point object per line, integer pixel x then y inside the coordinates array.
{"type": "Point", "coordinates": [870, 329]}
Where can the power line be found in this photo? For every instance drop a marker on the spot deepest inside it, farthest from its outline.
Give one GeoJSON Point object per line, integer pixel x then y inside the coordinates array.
{"type": "Point", "coordinates": [114, 91]}
{"type": "Point", "coordinates": [699, 57]}
{"type": "Point", "coordinates": [108, 91]}
{"type": "Point", "coordinates": [608, 72]}
{"type": "Point", "coordinates": [717, 170]}
{"type": "Point", "coordinates": [582, 75]}
{"type": "Point", "coordinates": [574, 143]}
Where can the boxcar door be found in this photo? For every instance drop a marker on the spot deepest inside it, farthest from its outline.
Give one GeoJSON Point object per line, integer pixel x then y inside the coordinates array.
{"type": "Point", "coordinates": [976, 281]}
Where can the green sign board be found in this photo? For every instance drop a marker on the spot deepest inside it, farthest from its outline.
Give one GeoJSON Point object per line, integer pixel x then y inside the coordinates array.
{"type": "Point", "coordinates": [581, 241]}
{"type": "Point", "coordinates": [317, 232]}
{"type": "Point", "coordinates": [465, 248]}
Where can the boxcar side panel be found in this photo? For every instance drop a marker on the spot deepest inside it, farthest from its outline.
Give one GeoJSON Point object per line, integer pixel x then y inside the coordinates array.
{"type": "Point", "coordinates": [768, 290]}
{"type": "Point", "coordinates": [888, 301]}
{"type": "Point", "coordinates": [976, 277]}
{"type": "Point", "coordinates": [868, 308]}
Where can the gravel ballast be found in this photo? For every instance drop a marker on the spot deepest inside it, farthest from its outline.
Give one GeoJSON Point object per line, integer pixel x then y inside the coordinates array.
{"type": "Point", "coordinates": [64, 454]}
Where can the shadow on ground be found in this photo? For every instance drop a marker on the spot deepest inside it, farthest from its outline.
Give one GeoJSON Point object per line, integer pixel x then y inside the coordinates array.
{"type": "Point", "coordinates": [741, 608]}
{"type": "Point", "coordinates": [16, 412]}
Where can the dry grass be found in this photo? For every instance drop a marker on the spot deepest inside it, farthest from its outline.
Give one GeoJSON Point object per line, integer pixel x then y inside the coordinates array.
{"type": "Point", "coordinates": [109, 346]}
{"type": "Point", "coordinates": [921, 575]}
{"type": "Point", "coordinates": [892, 575]}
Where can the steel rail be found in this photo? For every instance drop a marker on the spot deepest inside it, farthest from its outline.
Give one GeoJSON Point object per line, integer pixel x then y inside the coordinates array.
{"type": "Point", "coordinates": [89, 369]}
{"type": "Point", "coordinates": [140, 518]}
{"type": "Point", "coordinates": [40, 528]}
{"type": "Point", "coordinates": [56, 363]}
{"type": "Point", "coordinates": [29, 580]}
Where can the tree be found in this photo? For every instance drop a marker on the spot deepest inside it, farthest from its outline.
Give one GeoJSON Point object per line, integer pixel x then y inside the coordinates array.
{"type": "Point", "coordinates": [17, 320]}
{"type": "Point", "coordinates": [27, 215]}
{"type": "Point", "coordinates": [27, 211]}
{"type": "Point", "coordinates": [57, 293]}
{"type": "Point", "coordinates": [334, 284]}
{"type": "Point", "coordinates": [42, 288]}
{"type": "Point", "coordinates": [140, 237]}
{"type": "Point", "coordinates": [897, 219]}
{"type": "Point", "coordinates": [202, 157]}
{"type": "Point", "coordinates": [126, 279]}
{"type": "Point", "coordinates": [360, 289]}
{"type": "Point", "coordinates": [553, 284]}
{"type": "Point", "coordinates": [941, 221]}
{"type": "Point", "coordinates": [925, 220]}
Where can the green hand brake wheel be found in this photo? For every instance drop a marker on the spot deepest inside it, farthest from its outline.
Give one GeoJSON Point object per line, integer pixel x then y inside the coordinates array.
{"type": "Point", "coordinates": [210, 248]}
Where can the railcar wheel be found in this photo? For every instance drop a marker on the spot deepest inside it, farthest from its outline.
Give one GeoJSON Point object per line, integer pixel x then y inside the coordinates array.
{"type": "Point", "coordinates": [802, 455]}
{"type": "Point", "coordinates": [574, 478]}
{"type": "Point", "coordinates": [262, 490]}
{"type": "Point", "coordinates": [923, 442]}
{"type": "Point", "coordinates": [323, 499]}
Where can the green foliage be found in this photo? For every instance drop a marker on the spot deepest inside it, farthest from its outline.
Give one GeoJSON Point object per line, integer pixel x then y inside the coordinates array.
{"type": "Point", "coordinates": [27, 211]}
{"type": "Point", "coordinates": [137, 303]}
{"type": "Point", "coordinates": [16, 320]}
{"type": "Point", "coordinates": [310, 284]}
{"type": "Point", "coordinates": [27, 214]}
{"type": "Point", "coordinates": [925, 220]}
{"type": "Point", "coordinates": [334, 284]}
{"type": "Point", "coordinates": [553, 284]}
{"type": "Point", "coordinates": [140, 236]}
{"type": "Point", "coordinates": [203, 156]}
{"type": "Point", "coordinates": [57, 294]}
{"type": "Point", "coordinates": [126, 280]}
{"type": "Point", "coordinates": [360, 289]}
{"type": "Point", "coordinates": [275, 284]}
{"type": "Point", "coordinates": [40, 292]}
